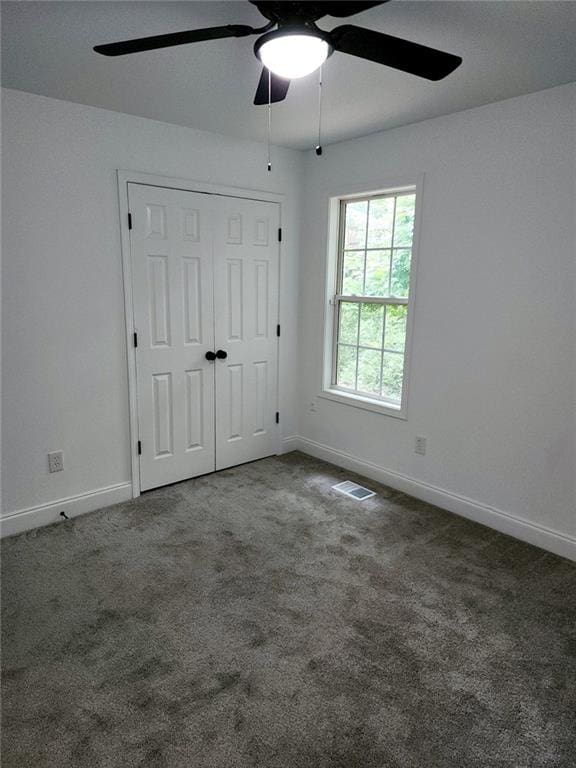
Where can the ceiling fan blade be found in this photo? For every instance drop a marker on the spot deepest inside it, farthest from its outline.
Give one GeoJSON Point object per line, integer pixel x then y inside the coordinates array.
{"type": "Point", "coordinates": [175, 38]}
{"type": "Point", "coordinates": [342, 9]}
{"type": "Point", "coordinates": [278, 88]}
{"type": "Point", "coordinates": [394, 52]}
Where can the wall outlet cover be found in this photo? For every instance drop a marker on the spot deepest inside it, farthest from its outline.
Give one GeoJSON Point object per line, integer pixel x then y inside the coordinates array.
{"type": "Point", "coordinates": [420, 445]}
{"type": "Point", "coordinates": [56, 461]}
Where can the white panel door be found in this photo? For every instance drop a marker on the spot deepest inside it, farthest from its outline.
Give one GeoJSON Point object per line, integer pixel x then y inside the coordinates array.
{"type": "Point", "coordinates": [246, 262]}
{"type": "Point", "coordinates": [171, 246]}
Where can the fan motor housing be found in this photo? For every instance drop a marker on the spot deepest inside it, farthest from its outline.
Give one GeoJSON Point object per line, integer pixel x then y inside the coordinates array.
{"type": "Point", "coordinates": [287, 12]}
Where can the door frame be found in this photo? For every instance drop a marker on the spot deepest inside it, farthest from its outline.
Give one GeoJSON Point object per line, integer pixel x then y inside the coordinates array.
{"type": "Point", "coordinates": [125, 178]}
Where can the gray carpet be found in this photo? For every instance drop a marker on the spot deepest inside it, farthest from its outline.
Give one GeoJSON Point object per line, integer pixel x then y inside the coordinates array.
{"type": "Point", "coordinates": [258, 618]}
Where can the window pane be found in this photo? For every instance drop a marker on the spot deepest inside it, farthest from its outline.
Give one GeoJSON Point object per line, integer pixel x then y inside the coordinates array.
{"type": "Point", "coordinates": [346, 367]}
{"type": "Point", "coordinates": [355, 225]}
{"type": "Point", "coordinates": [395, 336]}
{"type": "Point", "coordinates": [377, 273]}
{"type": "Point", "coordinates": [400, 279]}
{"type": "Point", "coordinates": [404, 222]}
{"type": "Point", "coordinates": [371, 325]}
{"type": "Point", "coordinates": [348, 331]}
{"type": "Point", "coordinates": [392, 373]}
{"type": "Point", "coordinates": [369, 363]}
{"type": "Point", "coordinates": [353, 273]}
{"type": "Point", "coordinates": [380, 223]}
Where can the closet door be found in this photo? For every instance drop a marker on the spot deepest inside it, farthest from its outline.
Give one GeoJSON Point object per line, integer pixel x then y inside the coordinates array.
{"type": "Point", "coordinates": [171, 246]}
{"type": "Point", "coordinates": [246, 263]}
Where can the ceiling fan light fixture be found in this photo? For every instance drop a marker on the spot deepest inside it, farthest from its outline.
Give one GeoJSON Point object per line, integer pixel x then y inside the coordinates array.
{"type": "Point", "coordinates": [292, 54]}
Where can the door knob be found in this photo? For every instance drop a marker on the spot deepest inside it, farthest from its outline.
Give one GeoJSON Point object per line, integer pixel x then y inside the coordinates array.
{"type": "Point", "coordinates": [221, 354]}
{"type": "Point", "coordinates": [210, 356]}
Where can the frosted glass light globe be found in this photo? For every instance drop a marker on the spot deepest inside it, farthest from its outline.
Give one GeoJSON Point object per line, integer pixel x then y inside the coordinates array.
{"type": "Point", "coordinates": [293, 56]}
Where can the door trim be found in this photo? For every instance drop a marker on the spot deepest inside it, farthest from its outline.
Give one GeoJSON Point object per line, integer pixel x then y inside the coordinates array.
{"type": "Point", "coordinates": [125, 178]}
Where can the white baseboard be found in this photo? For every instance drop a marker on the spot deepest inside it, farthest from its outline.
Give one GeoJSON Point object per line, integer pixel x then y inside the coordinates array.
{"type": "Point", "coordinates": [292, 443]}
{"type": "Point", "coordinates": [546, 538]}
{"type": "Point", "coordinates": [44, 514]}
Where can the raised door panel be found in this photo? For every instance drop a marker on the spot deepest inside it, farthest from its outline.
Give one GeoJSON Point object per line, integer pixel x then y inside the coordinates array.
{"type": "Point", "coordinates": [234, 402]}
{"type": "Point", "coordinates": [155, 221]}
{"type": "Point", "coordinates": [190, 218]}
{"type": "Point", "coordinates": [195, 410]}
{"type": "Point", "coordinates": [158, 301]}
{"type": "Point", "coordinates": [234, 300]}
{"type": "Point", "coordinates": [163, 415]}
{"type": "Point", "coordinates": [261, 231]}
{"type": "Point", "coordinates": [192, 290]}
{"type": "Point", "coordinates": [234, 228]}
{"type": "Point", "coordinates": [261, 299]}
{"type": "Point", "coordinates": [261, 394]}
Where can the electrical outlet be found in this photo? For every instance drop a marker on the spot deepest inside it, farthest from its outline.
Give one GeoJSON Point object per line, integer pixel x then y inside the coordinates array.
{"type": "Point", "coordinates": [420, 445]}
{"type": "Point", "coordinates": [55, 461]}
{"type": "Point", "coordinates": [312, 406]}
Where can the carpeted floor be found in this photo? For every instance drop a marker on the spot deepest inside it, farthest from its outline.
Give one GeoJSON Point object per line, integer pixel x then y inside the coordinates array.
{"type": "Point", "coordinates": [256, 617]}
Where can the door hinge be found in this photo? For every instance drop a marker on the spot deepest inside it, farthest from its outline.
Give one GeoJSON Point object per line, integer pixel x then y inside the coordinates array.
{"type": "Point", "coordinates": [278, 330]}
{"type": "Point", "coordinates": [139, 448]}
{"type": "Point", "coordinates": [277, 417]}
{"type": "Point", "coordinates": [279, 234]}
{"type": "Point", "coordinates": [135, 339]}
{"type": "Point", "coordinates": [129, 221]}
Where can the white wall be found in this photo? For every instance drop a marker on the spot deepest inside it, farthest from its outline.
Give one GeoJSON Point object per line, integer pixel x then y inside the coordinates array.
{"type": "Point", "coordinates": [65, 371]}
{"type": "Point", "coordinates": [493, 366]}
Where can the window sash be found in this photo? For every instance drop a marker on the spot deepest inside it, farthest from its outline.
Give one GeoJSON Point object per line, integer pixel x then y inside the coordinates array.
{"type": "Point", "coordinates": [340, 298]}
{"type": "Point", "coordinates": [399, 352]}
{"type": "Point", "coordinates": [370, 299]}
{"type": "Point", "coordinates": [381, 349]}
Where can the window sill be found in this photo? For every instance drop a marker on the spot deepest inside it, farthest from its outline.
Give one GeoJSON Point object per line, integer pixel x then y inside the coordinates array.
{"type": "Point", "coordinates": [366, 403]}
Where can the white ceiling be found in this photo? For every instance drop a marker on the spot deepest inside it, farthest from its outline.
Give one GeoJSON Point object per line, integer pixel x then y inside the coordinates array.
{"type": "Point", "coordinates": [508, 47]}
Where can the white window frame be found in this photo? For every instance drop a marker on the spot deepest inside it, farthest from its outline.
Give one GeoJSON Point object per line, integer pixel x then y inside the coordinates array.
{"type": "Point", "coordinates": [329, 390]}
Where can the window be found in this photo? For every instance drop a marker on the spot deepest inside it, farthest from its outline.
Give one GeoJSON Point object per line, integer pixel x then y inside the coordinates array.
{"type": "Point", "coordinates": [371, 300]}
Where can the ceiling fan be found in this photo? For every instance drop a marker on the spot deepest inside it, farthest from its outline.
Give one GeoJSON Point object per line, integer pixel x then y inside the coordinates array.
{"type": "Point", "coordinates": [292, 46]}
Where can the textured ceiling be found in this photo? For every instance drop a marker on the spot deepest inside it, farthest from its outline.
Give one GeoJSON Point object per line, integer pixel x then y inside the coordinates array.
{"type": "Point", "coordinates": [509, 48]}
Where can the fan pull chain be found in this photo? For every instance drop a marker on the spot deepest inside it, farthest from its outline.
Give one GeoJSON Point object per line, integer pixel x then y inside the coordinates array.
{"type": "Point", "coordinates": [319, 145]}
{"type": "Point", "coordinates": [269, 117]}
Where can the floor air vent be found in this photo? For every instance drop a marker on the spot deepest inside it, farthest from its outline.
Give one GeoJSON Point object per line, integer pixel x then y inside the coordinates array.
{"type": "Point", "coordinates": [358, 492]}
